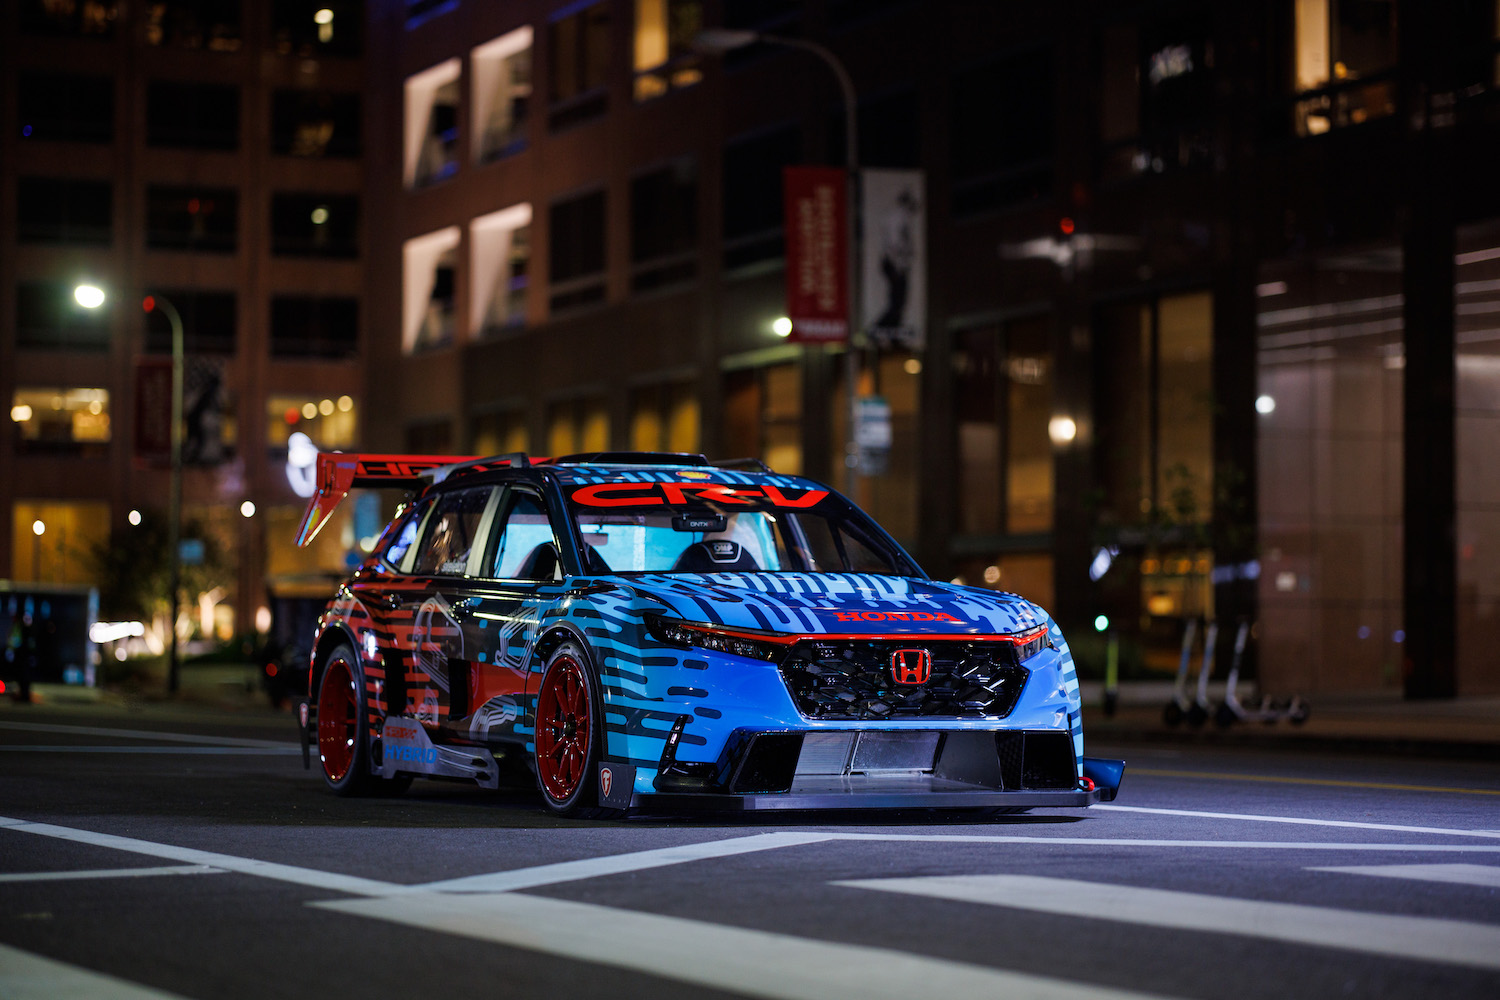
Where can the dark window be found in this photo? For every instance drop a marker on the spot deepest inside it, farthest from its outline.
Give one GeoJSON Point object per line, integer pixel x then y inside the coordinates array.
{"type": "Point", "coordinates": [208, 323]}
{"type": "Point", "coordinates": [308, 28]}
{"type": "Point", "coordinates": [664, 225]}
{"type": "Point", "coordinates": [192, 218]}
{"type": "Point", "coordinates": [429, 437]}
{"type": "Point", "coordinates": [450, 531]}
{"type": "Point", "coordinates": [314, 124]}
{"type": "Point", "coordinates": [577, 250]}
{"type": "Point", "coordinates": [418, 11]}
{"type": "Point", "coordinates": [848, 11]}
{"type": "Point", "coordinates": [48, 318]}
{"type": "Point", "coordinates": [67, 106]}
{"type": "Point", "coordinates": [63, 210]}
{"type": "Point", "coordinates": [315, 225]}
{"type": "Point", "coordinates": [192, 115]}
{"type": "Point", "coordinates": [1002, 133]}
{"type": "Point", "coordinates": [86, 18]}
{"type": "Point", "coordinates": [308, 327]}
{"type": "Point", "coordinates": [579, 50]}
{"type": "Point", "coordinates": [890, 132]}
{"type": "Point", "coordinates": [753, 195]}
{"type": "Point", "coordinates": [194, 24]}
{"type": "Point", "coordinates": [760, 13]}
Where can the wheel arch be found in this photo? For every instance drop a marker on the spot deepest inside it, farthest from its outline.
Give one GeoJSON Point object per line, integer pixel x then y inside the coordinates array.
{"type": "Point", "coordinates": [333, 637]}
{"type": "Point", "coordinates": [547, 644]}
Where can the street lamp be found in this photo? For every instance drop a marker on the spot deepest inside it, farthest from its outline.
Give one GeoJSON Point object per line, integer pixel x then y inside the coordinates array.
{"type": "Point", "coordinates": [92, 297]}
{"type": "Point", "coordinates": [717, 41]}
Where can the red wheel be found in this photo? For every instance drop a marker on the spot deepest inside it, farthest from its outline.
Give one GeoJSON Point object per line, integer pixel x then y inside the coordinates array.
{"type": "Point", "coordinates": [338, 717]}
{"type": "Point", "coordinates": [564, 728]}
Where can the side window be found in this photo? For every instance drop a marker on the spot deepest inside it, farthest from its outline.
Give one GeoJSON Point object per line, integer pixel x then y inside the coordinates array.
{"type": "Point", "coordinates": [451, 531]}
{"type": "Point", "coordinates": [405, 533]}
{"type": "Point", "coordinates": [526, 549]}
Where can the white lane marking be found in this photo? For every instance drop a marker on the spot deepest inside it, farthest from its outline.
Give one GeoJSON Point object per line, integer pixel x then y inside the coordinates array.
{"type": "Point", "coordinates": [141, 734]}
{"type": "Point", "coordinates": [1426, 939]}
{"type": "Point", "coordinates": [1342, 823]}
{"type": "Point", "coordinates": [614, 864]}
{"type": "Point", "coordinates": [734, 959]}
{"type": "Point", "coordinates": [245, 866]}
{"type": "Point", "coordinates": [24, 976]}
{"type": "Point", "coordinates": [275, 751]}
{"type": "Point", "coordinates": [1487, 876]}
{"type": "Point", "coordinates": [109, 873]}
{"type": "Point", "coordinates": [1261, 845]}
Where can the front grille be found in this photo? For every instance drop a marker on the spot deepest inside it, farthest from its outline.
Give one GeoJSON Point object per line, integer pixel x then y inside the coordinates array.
{"type": "Point", "coordinates": [852, 679]}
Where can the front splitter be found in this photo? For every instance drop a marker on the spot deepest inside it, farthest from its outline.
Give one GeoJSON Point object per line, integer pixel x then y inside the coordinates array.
{"type": "Point", "coordinates": [824, 799]}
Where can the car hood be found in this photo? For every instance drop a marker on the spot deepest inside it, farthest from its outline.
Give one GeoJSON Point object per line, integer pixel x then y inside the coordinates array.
{"type": "Point", "coordinates": [836, 603]}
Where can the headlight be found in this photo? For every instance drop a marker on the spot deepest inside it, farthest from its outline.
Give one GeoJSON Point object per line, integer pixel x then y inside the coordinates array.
{"type": "Point", "coordinates": [753, 643]}
{"type": "Point", "coordinates": [1030, 642]}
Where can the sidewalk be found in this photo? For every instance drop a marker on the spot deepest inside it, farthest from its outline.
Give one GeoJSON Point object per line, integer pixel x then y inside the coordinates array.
{"type": "Point", "coordinates": [1383, 721]}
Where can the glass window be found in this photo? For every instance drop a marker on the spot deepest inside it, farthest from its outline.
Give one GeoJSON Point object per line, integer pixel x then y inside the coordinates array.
{"type": "Point", "coordinates": [306, 326]}
{"type": "Point", "coordinates": [432, 124]}
{"type": "Point", "coordinates": [1001, 129]}
{"type": "Point", "coordinates": [753, 210]}
{"type": "Point", "coordinates": [526, 548]}
{"type": "Point", "coordinates": [1345, 51]}
{"type": "Point", "coordinates": [664, 57]}
{"type": "Point", "coordinates": [61, 419]}
{"type": "Point", "coordinates": [500, 433]}
{"type": "Point", "coordinates": [401, 537]}
{"type": "Point", "coordinates": [213, 25]}
{"type": "Point", "coordinates": [578, 50]}
{"type": "Point", "coordinates": [192, 115]}
{"type": "Point", "coordinates": [451, 531]}
{"type": "Point", "coordinates": [314, 225]}
{"type": "Point", "coordinates": [64, 210]}
{"type": "Point", "coordinates": [664, 226]}
{"type": "Point", "coordinates": [314, 123]}
{"type": "Point", "coordinates": [327, 421]}
{"type": "Point", "coordinates": [429, 268]}
{"type": "Point", "coordinates": [55, 556]}
{"type": "Point", "coordinates": [763, 415]}
{"type": "Point", "coordinates": [48, 318]}
{"type": "Point", "coordinates": [762, 14]}
{"type": "Point", "coordinates": [208, 322]}
{"type": "Point", "coordinates": [81, 18]}
{"type": "Point", "coordinates": [577, 426]}
{"type": "Point", "coordinates": [500, 249]}
{"type": "Point", "coordinates": [67, 106]}
{"type": "Point", "coordinates": [309, 28]}
{"type": "Point", "coordinates": [576, 258]}
{"type": "Point", "coordinates": [501, 71]}
{"type": "Point", "coordinates": [192, 218]}
{"type": "Point", "coordinates": [664, 418]}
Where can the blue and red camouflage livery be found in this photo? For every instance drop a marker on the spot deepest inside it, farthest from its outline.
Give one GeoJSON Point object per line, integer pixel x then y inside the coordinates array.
{"type": "Point", "coordinates": [654, 632]}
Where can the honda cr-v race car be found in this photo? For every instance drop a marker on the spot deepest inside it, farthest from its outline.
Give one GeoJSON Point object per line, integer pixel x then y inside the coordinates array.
{"type": "Point", "coordinates": [655, 632]}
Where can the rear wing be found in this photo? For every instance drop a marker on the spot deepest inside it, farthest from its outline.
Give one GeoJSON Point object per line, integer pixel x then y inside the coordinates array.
{"type": "Point", "coordinates": [338, 473]}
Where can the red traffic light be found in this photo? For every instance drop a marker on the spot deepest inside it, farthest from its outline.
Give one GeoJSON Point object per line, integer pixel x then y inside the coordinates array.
{"type": "Point", "coordinates": [148, 303]}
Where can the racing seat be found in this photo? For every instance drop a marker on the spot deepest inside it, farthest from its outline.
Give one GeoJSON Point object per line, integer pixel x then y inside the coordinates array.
{"type": "Point", "coordinates": [540, 564]}
{"type": "Point", "coordinates": [717, 556]}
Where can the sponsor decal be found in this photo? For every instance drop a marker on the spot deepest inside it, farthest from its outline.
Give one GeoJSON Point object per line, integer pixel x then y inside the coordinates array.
{"type": "Point", "coordinates": [394, 731]}
{"type": "Point", "coordinates": [616, 785]}
{"type": "Point", "coordinates": [911, 666]}
{"type": "Point", "coordinates": [302, 714]}
{"type": "Point", "coordinates": [896, 616]}
{"type": "Point", "coordinates": [606, 781]}
{"type": "Point", "coordinates": [402, 753]}
{"type": "Point", "coordinates": [682, 494]}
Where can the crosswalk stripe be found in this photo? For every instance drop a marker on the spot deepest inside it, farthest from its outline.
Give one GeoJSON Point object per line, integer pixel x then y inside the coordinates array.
{"type": "Point", "coordinates": [735, 959]}
{"type": "Point", "coordinates": [109, 873]}
{"type": "Point", "coordinates": [24, 976]}
{"type": "Point", "coordinates": [1347, 824]}
{"type": "Point", "coordinates": [1427, 939]}
{"type": "Point", "coordinates": [1486, 876]}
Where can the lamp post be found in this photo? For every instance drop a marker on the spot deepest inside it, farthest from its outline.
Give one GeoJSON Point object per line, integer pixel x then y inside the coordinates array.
{"type": "Point", "coordinates": [92, 297]}
{"type": "Point", "coordinates": [717, 41]}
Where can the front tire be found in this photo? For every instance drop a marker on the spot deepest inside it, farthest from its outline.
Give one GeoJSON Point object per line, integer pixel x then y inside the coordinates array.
{"type": "Point", "coordinates": [343, 743]}
{"type": "Point", "coordinates": [570, 736]}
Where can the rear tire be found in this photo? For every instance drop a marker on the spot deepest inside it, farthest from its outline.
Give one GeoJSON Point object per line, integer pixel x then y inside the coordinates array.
{"type": "Point", "coordinates": [570, 736]}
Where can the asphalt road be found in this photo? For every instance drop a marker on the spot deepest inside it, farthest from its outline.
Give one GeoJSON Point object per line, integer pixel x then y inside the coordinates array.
{"type": "Point", "coordinates": [166, 856]}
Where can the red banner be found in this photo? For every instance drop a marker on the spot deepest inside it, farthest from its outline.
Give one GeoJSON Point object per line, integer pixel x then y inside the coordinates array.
{"type": "Point", "coordinates": [817, 254]}
{"type": "Point", "coordinates": [153, 410]}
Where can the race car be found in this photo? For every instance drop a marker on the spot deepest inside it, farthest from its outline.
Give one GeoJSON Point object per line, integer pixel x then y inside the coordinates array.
{"type": "Point", "coordinates": [653, 632]}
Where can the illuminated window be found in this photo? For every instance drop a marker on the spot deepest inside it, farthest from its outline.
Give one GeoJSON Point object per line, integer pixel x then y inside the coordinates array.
{"type": "Point", "coordinates": [329, 421]}
{"type": "Point", "coordinates": [664, 226]}
{"type": "Point", "coordinates": [664, 418]}
{"type": "Point", "coordinates": [501, 72]}
{"type": "Point", "coordinates": [576, 257]}
{"type": "Point", "coordinates": [1345, 56]}
{"type": "Point", "coordinates": [308, 28]}
{"type": "Point", "coordinates": [315, 225]}
{"type": "Point", "coordinates": [311, 123]}
{"type": "Point", "coordinates": [432, 124]}
{"type": "Point", "coordinates": [500, 433]}
{"type": "Point", "coordinates": [64, 210]}
{"type": "Point", "coordinates": [664, 58]}
{"type": "Point", "coordinates": [67, 106]}
{"type": "Point", "coordinates": [61, 419]}
{"type": "Point", "coordinates": [429, 266]}
{"type": "Point", "coordinates": [500, 249]}
{"type": "Point", "coordinates": [192, 218]}
{"type": "Point", "coordinates": [69, 529]}
{"type": "Point", "coordinates": [577, 425]}
{"type": "Point", "coordinates": [81, 18]}
{"type": "Point", "coordinates": [213, 25]}
{"type": "Point", "coordinates": [578, 47]}
{"type": "Point", "coordinates": [763, 416]}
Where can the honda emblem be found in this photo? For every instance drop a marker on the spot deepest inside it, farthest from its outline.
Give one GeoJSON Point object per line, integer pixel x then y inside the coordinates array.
{"type": "Point", "coordinates": [911, 666]}
{"type": "Point", "coordinates": [606, 778]}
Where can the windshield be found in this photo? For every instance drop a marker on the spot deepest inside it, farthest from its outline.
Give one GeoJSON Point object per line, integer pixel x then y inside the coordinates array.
{"type": "Point", "coordinates": [705, 527]}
